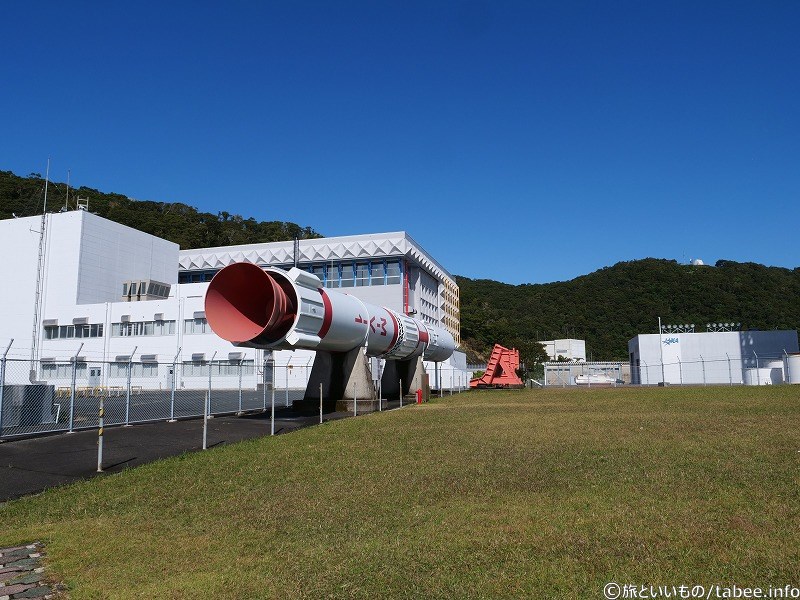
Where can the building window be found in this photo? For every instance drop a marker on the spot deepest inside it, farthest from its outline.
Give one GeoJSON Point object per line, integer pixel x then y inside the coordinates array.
{"type": "Point", "coordinates": [334, 273]}
{"type": "Point", "coordinates": [143, 328]}
{"type": "Point", "coordinates": [393, 272]}
{"type": "Point", "coordinates": [362, 274]}
{"type": "Point", "coordinates": [319, 271]}
{"type": "Point", "coordinates": [192, 326]}
{"type": "Point", "coordinates": [378, 273]}
{"type": "Point", "coordinates": [52, 370]}
{"type": "Point", "coordinates": [120, 370]}
{"type": "Point", "coordinates": [348, 275]}
{"type": "Point", "coordinates": [200, 368]}
{"type": "Point", "coordinates": [196, 276]}
{"type": "Point", "coordinates": [68, 332]}
{"type": "Point", "coordinates": [231, 367]}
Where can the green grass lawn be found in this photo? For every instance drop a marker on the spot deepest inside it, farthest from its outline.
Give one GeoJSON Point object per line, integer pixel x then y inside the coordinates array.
{"type": "Point", "coordinates": [540, 494]}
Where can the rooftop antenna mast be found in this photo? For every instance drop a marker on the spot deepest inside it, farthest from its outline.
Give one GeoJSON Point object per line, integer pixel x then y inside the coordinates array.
{"type": "Point", "coordinates": [37, 306]}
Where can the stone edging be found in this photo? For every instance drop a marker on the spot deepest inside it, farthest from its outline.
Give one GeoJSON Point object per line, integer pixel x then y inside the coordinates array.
{"type": "Point", "coordinates": [22, 574]}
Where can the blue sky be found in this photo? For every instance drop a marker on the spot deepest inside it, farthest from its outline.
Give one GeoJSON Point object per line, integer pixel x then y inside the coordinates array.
{"type": "Point", "coordinates": [517, 141]}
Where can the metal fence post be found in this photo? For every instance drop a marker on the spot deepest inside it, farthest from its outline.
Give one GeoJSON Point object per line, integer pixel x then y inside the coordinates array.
{"type": "Point", "coordinates": [680, 370]}
{"type": "Point", "coordinates": [758, 373]}
{"type": "Point", "coordinates": [703, 364]}
{"type": "Point", "coordinates": [273, 396]}
{"type": "Point", "coordinates": [101, 415]}
{"type": "Point", "coordinates": [401, 393]}
{"type": "Point", "coordinates": [786, 377]}
{"type": "Point", "coordinates": [287, 385]}
{"type": "Point", "coordinates": [730, 373]}
{"type": "Point", "coordinates": [355, 400]}
{"type": "Point", "coordinates": [208, 400]}
{"type": "Point", "coordinates": [320, 404]}
{"type": "Point", "coordinates": [128, 390]}
{"type": "Point", "coordinates": [264, 385]}
{"type": "Point", "coordinates": [172, 392]}
{"type": "Point", "coordinates": [3, 382]}
{"type": "Point", "coordinates": [72, 390]}
{"type": "Point", "coordinates": [241, 360]}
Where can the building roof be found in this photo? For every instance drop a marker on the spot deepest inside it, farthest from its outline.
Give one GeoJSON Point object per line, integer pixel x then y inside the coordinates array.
{"type": "Point", "coordinates": [375, 245]}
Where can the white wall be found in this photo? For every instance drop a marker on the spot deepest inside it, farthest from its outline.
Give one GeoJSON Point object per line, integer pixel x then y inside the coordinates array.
{"type": "Point", "coordinates": [20, 244]}
{"type": "Point", "coordinates": [713, 357]}
{"type": "Point", "coordinates": [568, 348]}
{"type": "Point", "coordinates": [111, 253]}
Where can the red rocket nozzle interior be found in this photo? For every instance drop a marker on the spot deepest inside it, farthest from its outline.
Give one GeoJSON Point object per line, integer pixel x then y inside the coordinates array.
{"type": "Point", "coordinates": [244, 304]}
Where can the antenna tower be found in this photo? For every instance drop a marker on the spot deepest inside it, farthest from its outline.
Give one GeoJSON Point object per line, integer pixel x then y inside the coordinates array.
{"type": "Point", "coordinates": [37, 306]}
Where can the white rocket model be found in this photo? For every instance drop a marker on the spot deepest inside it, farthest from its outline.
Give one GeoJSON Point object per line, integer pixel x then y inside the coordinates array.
{"type": "Point", "coordinates": [275, 309]}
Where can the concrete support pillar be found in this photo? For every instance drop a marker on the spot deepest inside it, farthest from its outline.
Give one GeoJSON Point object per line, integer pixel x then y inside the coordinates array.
{"type": "Point", "coordinates": [343, 376]}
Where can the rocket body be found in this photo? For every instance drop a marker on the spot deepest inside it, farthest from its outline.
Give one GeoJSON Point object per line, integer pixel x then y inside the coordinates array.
{"type": "Point", "coordinates": [275, 309]}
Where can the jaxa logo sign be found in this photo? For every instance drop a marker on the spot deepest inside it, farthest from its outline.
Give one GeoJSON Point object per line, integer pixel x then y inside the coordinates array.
{"type": "Point", "coordinates": [670, 341]}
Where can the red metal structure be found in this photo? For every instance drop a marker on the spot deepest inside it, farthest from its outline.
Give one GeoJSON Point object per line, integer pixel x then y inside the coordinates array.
{"type": "Point", "coordinates": [501, 371]}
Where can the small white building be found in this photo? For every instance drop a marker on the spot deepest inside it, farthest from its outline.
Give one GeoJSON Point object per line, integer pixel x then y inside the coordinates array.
{"type": "Point", "coordinates": [101, 294]}
{"type": "Point", "coordinates": [726, 357]}
{"type": "Point", "coordinates": [570, 349]}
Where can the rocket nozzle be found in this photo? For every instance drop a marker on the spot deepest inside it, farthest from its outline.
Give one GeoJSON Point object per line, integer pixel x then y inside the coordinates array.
{"type": "Point", "coordinates": [246, 304]}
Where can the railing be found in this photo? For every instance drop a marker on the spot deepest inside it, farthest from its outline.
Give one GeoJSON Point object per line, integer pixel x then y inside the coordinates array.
{"type": "Point", "coordinates": [752, 369]}
{"type": "Point", "coordinates": [66, 396]}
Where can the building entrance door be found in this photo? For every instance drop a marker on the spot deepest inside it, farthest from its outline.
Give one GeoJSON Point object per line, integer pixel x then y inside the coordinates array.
{"type": "Point", "coordinates": [95, 376]}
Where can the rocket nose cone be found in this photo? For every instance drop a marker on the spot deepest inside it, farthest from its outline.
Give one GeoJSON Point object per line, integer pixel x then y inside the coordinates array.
{"type": "Point", "coordinates": [243, 302]}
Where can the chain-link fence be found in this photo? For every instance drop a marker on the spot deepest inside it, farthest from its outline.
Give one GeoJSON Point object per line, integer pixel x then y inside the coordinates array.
{"type": "Point", "coordinates": [51, 396]}
{"type": "Point", "coordinates": [586, 373]}
{"type": "Point", "coordinates": [450, 381]}
{"type": "Point", "coordinates": [65, 396]}
{"type": "Point", "coordinates": [728, 370]}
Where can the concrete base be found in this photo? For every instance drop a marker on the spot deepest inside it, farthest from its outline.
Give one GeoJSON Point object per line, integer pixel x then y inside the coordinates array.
{"type": "Point", "coordinates": [364, 406]}
{"type": "Point", "coordinates": [340, 375]}
{"type": "Point", "coordinates": [344, 376]}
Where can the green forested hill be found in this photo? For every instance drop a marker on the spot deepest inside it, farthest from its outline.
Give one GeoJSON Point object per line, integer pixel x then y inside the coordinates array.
{"type": "Point", "coordinates": [606, 308]}
{"type": "Point", "coordinates": [612, 305]}
{"type": "Point", "coordinates": [180, 223]}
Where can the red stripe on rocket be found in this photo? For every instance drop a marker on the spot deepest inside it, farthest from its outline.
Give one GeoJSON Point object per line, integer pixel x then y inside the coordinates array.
{"type": "Point", "coordinates": [271, 308]}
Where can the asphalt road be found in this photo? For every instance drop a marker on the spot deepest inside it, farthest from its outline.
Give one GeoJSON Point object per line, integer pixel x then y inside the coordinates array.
{"type": "Point", "coordinates": [32, 465]}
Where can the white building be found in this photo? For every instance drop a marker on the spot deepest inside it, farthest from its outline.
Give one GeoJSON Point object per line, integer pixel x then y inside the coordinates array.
{"type": "Point", "coordinates": [727, 357]}
{"type": "Point", "coordinates": [569, 349]}
{"type": "Point", "coordinates": [108, 294]}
